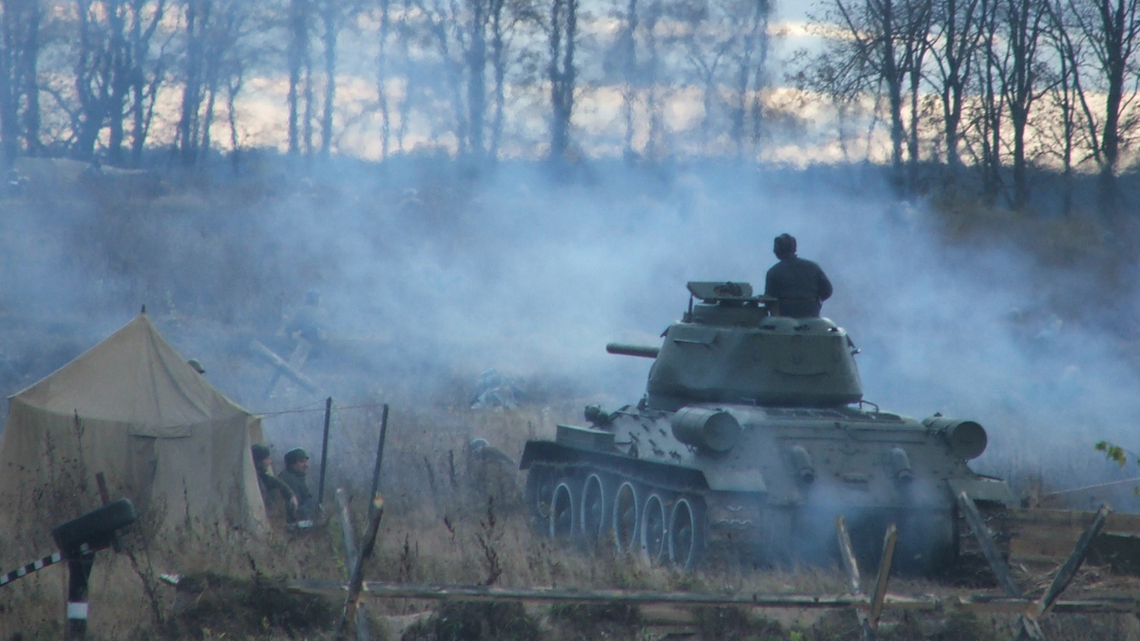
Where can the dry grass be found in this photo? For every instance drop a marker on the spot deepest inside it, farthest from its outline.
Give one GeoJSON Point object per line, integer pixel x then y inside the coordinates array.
{"type": "Point", "coordinates": [449, 518]}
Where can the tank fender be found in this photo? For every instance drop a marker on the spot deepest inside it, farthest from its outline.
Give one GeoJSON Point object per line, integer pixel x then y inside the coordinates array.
{"type": "Point", "coordinates": [545, 452]}
{"type": "Point", "coordinates": [984, 489]}
{"type": "Point", "coordinates": [735, 480]}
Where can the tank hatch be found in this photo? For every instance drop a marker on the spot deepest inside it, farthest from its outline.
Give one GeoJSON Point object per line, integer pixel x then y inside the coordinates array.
{"type": "Point", "coordinates": [726, 304]}
{"type": "Point", "coordinates": [728, 349]}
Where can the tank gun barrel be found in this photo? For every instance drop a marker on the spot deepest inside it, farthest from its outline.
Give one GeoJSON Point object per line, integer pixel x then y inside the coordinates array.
{"type": "Point", "coordinates": [644, 351]}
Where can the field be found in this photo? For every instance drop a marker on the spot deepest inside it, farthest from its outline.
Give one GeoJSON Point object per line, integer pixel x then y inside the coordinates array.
{"type": "Point", "coordinates": [428, 289]}
{"type": "Point", "coordinates": [452, 518]}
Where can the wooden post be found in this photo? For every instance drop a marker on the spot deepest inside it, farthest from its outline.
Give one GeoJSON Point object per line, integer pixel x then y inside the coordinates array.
{"type": "Point", "coordinates": [356, 582]}
{"type": "Point", "coordinates": [1027, 624]}
{"type": "Point", "coordinates": [889, 539]}
{"type": "Point", "coordinates": [853, 582]}
{"type": "Point", "coordinates": [847, 555]}
{"type": "Point", "coordinates": [1072, 564]}
{"type": "Point", "coordinates": [379, 453]}
{"type": "Point", "coordinates": [989, 548]}
{"type": "Point", "coordinates": [363, 633]}
{"type": "Point", "coordinates": [324, 454]}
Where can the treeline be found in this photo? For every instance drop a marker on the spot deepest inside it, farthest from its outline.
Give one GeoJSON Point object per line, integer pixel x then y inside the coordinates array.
{"type": "Point", "coordinates": [984, 92]}
{"type": "Point", "coordinates": [999, 86]}
{"type": "Point", "coordinates": [473, 77]}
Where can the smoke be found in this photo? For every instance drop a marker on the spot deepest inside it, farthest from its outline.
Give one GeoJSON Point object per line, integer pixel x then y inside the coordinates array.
{"type": "Point", "coordinates": [432, 273]}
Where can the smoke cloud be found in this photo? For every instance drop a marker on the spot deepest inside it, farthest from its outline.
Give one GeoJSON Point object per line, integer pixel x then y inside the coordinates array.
{"type": "Point", "coordinates": [435, 272]}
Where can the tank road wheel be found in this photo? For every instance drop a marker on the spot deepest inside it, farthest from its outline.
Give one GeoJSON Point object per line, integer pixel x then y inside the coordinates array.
{"type": "Point", "coordinates": [563, 510]}
{"type": "Point", "coordinates": [596, 512]}
{"type": "Point", "coordinates": [686, 533]}
{"type": "Point", "coordinates": [539, 490]}
{"type": "Point", "coordinates": [625, 522]}
{"type": "Point", "coordinates": [654, 530]}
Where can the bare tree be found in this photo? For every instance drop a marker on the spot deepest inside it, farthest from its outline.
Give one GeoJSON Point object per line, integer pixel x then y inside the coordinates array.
{"type": "Point", "coordinates": [147, 70]}
{"type": "Point", "coordinates": [986, 117]}
{"type": "Point", "coordinates": [562, 72]}
{"type": "Point", "coordinates": [1110, 31]}
{"type": "Point", "coordinates": [955, 40]}
{"type": "Point", "coordinates": [334, 16]}
{"type": "Point", "coordinates": [299, 63]}
{"type": "Point", "coordinates": [20, 36]}
{"type": "Point", "coordinates": [196, 16]}
{"type": "Point", "coordinates": [218, 46]}
{"type": "Point", "coordinates": [915, 44]}
{"type": "Point", "coordinates": [887, 39]}
{"type": "Point", "coordinates": [1025, 22]}
{"type": "Point", "coordinates": [1064, 101]}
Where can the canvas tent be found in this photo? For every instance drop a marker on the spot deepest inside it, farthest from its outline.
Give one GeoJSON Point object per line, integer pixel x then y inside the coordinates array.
{"type": "Point", "coordinates": [132, 408]}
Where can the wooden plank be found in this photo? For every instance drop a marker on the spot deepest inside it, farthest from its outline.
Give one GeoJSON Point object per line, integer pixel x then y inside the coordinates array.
{"type": "Point", "coordinates": [356, 583]}
{"type": "Point", "coordinates": [851, 566]}
{"type": "Point", "coordinates": [1072, 564]}
{"type": "Point", "coordinates": [348, 534]}
{"type": "Point", "coordinates": [980, 602]}
{"type": "Point", "coordinates": [1073, 520]}
{"type": "Point", "coordinates": [880, 594]}
{"type": "Point", "coordinates": [1027, 625]}
{"type": "Point", "coordinates": [989, 549]}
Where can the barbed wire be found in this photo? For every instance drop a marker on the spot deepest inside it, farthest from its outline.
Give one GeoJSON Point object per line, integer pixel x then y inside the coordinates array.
{"type": "Point", "coordinates": [306, 409]}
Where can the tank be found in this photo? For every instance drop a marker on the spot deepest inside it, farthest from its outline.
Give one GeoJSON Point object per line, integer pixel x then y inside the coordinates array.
{"type": "Point", "coordinates": [752, 437]}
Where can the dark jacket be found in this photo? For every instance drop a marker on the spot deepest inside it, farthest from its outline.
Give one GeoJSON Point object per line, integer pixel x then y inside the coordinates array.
{"type": "Point", "coordinates": [270, 484]}
{"type": "Point", "coordinates": [800, 285]}
{"type": "Point", "coordinates": [306, 508]}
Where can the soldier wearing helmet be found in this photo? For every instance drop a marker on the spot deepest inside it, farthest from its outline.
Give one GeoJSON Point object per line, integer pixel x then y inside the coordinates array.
{"type": "Point", "coordinates": [296, 467]}
{"type": "Point", "coordinates": [798, 284]}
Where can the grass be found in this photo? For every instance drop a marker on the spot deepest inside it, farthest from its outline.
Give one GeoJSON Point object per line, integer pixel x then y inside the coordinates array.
{"type": "Point", "coordinates": [449, 518]}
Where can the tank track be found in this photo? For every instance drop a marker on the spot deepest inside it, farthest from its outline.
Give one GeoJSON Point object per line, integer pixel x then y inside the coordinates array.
{"type": "Point", "coordinates": [723, 526]}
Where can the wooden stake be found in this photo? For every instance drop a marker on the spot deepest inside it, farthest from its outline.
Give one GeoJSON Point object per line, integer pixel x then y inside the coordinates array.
{"type": "Point", "coordinates": [853, 582]}
{"type": "Point", "coordinates": [363, 633]}
{"type": "Point", "coordinates": [356, 582]}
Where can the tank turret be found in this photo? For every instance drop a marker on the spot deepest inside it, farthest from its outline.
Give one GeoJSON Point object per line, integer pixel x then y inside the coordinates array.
{"type": "Point", "coordinates": [728, 348]}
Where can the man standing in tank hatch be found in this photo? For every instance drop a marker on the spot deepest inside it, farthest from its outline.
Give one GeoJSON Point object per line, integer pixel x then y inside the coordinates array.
{"type": "Point", "coordinates": [798, 284]}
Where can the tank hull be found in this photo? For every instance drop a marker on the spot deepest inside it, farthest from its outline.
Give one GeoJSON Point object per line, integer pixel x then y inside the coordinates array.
{"type": "Point", "coordinates": [771, 500]}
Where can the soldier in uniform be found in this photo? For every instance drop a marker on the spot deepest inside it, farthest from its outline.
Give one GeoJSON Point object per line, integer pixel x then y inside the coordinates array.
{"type": "Point", "coordinates": [296, 467]}
{"type": "Point", "coordinates": [270, 485]}
{"type": "Point", "coordinates": [800, 285]}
